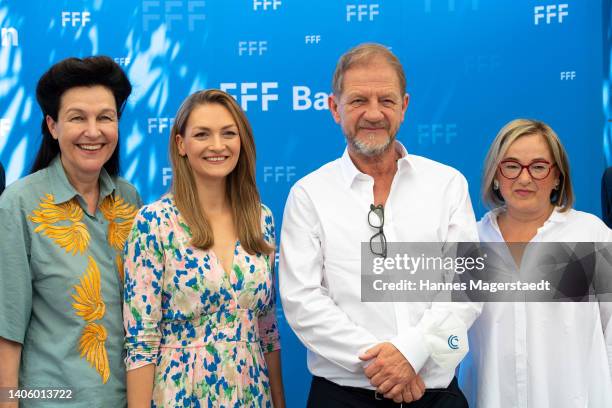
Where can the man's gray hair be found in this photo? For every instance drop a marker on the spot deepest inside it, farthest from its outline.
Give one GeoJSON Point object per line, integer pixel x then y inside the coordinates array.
{"type": "Point", "coordinates": [363, 54]}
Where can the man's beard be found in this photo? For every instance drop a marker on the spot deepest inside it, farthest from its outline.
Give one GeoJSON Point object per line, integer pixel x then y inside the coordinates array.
{"type": "Point", "coordinates": [368, 149]}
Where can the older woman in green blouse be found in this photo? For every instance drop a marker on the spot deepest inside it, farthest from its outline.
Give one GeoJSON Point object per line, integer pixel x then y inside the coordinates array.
{"type": "Point", "coordinates": [63, 230]}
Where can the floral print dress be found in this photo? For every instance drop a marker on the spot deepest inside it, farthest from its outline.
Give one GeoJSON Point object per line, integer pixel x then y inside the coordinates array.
{"type": "Point", "coordinates": [205, 330]}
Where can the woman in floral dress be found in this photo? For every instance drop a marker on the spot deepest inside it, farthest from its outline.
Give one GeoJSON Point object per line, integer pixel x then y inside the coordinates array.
{"type": "Point", "coordinates": [199, 308]}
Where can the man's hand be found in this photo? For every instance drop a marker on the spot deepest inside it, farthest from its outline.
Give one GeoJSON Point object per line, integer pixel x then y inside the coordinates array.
{"type": "Point", "coordinates": [390, 372]}
{"type": "Point", "coordinates": [410, 392]}
{"type": "Point", "coordinates": [413, 391]}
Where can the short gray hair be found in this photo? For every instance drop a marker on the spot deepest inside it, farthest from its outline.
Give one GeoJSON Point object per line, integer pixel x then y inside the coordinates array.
{"type": "Point", "coordinates": [363, 54]}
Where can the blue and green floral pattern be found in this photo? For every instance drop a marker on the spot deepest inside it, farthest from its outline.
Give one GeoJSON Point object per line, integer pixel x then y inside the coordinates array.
{"type": "Point", "coordinates": [205, 330]}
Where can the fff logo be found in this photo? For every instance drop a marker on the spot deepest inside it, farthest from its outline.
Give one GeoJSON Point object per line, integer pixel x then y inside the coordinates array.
{"type": "Point", "coordinates": [362, 12]}
{"type": "Point", "coordinates": [265, 4]}
{"type": "Point", "coordinates": [252, 92]}
{"type": "Point", "coordinates": [75, 17]}
{"type": "Point", "coordinates": [278, 174]}
{"type": "Point", "coordinates": [550, 13]}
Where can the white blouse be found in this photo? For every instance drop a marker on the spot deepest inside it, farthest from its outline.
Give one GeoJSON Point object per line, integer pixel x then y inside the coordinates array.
{"type": "Point", "coordinates": [539, 355]}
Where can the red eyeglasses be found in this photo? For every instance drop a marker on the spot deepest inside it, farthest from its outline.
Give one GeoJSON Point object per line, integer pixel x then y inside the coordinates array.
{"type": "Point", "coordinates": [537, 169]}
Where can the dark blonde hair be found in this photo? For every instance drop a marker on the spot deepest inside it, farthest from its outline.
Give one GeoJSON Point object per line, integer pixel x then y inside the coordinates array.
{"type": "Point", "coordinates": [241, 186]}
{"type": "Point", "coordinates": [563, 197]}
{"type": "Point", "coordinates": [364, 54]}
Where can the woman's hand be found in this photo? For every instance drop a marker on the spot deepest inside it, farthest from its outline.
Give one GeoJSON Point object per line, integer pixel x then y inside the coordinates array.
{"type": "Point", "coordinates": [140, 386]}
{"type": "Point", "coordinates": [273, 361]}
{"type": "Point", "coordinates": [10, 356]}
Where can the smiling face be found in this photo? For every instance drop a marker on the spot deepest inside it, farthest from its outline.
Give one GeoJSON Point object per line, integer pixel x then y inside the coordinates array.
{"type": "Point", "coordinates": [524, 194]}
{"type": "Point", "coordinates": [86, 130]}
{"type": "Point", "coordinates": [211, 142]}
{"type": "Point", "coordinates": [371, 107]}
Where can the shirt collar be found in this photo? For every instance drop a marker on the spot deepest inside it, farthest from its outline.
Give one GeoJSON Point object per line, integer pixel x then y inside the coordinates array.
{"type": "Point", "coordinates": [490, 218]}
{"type": "Point", "coordinates": [556, 216]}
{"type": "Point", "coordinates": [64, 191]}
{"type": "Point", "coordinates": [351, 173]}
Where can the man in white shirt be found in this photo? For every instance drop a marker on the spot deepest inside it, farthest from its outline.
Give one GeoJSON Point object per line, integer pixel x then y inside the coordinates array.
{"type": "Point", "coordinates": [373, 354]}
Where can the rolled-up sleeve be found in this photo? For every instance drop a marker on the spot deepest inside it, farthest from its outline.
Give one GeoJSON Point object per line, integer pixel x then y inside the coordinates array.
{"type": "Point", "coordinates": [142, 308]}
{"type": "Point", "coordinates": [268, 330]}
{"type": "Point", "coordinates": [15, 275]}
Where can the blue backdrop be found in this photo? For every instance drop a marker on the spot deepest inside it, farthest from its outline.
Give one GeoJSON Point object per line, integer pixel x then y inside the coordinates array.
{"type": "Point", "coordinates": [471, 65]}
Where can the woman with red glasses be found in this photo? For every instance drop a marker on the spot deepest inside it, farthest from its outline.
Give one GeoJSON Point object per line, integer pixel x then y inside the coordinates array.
{"type": "Point", "coordinates": [536, 354]}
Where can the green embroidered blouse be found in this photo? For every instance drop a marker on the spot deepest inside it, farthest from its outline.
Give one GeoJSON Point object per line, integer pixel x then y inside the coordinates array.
{"type": "Point", "coordinates": [61, 283]}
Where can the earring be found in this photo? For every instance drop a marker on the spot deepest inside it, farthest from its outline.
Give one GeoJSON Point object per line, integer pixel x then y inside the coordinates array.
{"type": "Point", "coordinates": [557, 185]}
{"type": "Point", "coordinates": [495, 184]}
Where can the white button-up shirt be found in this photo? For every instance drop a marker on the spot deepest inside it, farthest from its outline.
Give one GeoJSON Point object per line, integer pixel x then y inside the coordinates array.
{"type": "Point", "coordinates": [324, 224]}
{"type": "Point", "coordinates": [542, 355]}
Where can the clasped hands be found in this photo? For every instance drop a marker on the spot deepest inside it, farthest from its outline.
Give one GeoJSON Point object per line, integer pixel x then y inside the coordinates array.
{"type": "Point", "coordinates": [391, 374]}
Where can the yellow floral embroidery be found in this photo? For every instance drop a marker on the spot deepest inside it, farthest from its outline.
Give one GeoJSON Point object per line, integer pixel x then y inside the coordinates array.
{"type": "Point", "coordinates": [88, 298]}
{"type": "Point", "coordinates": [92, 347]}
{"type": "Point", "coordinates": [90, 306]}
{"type": "Point", "coordinates": [113, 208]}
{"type": "Point", "coordinates": [74, 237]}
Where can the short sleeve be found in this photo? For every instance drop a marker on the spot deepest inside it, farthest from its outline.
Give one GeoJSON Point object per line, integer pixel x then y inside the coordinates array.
{"type": "Point", "coordinates": [268, 324]}
{"type": "Point", "coordinates": [15, 275]}
{"type": "Point", "coordinates": [143, 268]}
